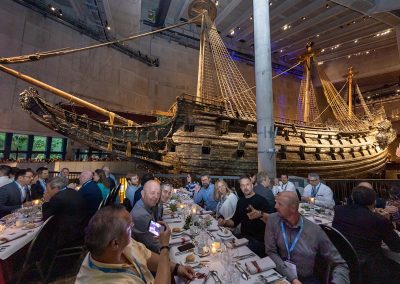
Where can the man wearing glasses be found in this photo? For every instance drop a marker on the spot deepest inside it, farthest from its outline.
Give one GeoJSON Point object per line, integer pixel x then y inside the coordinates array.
{"type": "Point", "coordinates": [321, 193]}
{"type": "Point", "coordinates": [16, 193]}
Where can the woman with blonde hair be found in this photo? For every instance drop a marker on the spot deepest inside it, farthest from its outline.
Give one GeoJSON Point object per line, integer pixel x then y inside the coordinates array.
{"type": "Point", "coordinates": [227, 200]}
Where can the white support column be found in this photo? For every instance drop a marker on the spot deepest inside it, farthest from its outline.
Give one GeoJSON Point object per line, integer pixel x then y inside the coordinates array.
{"type": "Point", "coordinates": [264, 97]}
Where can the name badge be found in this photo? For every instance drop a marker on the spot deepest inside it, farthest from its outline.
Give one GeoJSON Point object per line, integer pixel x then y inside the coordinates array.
{"type": "Point", "coordinates": [292, 267]}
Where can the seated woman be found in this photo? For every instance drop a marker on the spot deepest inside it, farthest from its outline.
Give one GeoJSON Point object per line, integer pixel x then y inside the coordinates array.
{"type": "Point", "coordinates": [227, 200]}
{"type": "Point", "coordinates": [393, 206]}
{"type": "Point", "coordinates": [190, 185]}
{"type": "Point", "coordinates": [100, 178]}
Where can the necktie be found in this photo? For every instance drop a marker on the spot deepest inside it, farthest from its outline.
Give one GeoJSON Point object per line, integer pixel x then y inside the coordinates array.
{"type": "Point", "coordinates": [313, 191]}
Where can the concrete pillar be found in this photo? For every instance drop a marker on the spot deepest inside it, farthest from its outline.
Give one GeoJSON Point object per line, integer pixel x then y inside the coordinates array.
{"type": "Point", "coordinates": [264, 99]}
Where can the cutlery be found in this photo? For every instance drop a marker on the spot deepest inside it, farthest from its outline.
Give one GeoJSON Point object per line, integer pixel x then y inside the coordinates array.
{"type": "Point", "coordinates": [219, 227]}
{"type": "Point", "coordinates": [241, 257]}
{"type": "Point", "coordinates": [183, 252]}
{"type": "Point", "coordinates": [171, 222]}
{"type": "Point", "coordinates": [214, 275]}
{"type": "Point", "coordinates": [206, 278]}
{"type": "Point", "coordinates": [211, 235]}
{"type": "Point", "coordinates": [243, 273]}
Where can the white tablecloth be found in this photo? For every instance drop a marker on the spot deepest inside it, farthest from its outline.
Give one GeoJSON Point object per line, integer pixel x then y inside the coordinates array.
{"type": "Point", "coordinates": [215, 260]}
{"type": "Point", "coordinates": [9, 248]}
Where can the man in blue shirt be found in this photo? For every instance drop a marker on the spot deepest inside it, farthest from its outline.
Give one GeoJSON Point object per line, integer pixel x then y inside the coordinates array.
{"type": "Point", "coordinates": [206, 194]}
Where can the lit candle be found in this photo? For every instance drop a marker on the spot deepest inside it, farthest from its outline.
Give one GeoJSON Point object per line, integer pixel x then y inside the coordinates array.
{"type": "Point", "coordinates": [194, 211]}
{"type": "Point", "coordinates": [181, 206]}
{"type": "Point", "coordinates": [217, 245]}
{"type": "Point", "coordinates": [213, 250]}
{"type": "Point", "coordinates": [312, 200]}
{"type": "Point", "coordinates": [175, 190]}
{"type": "Point", "coordinates": [35, 202]}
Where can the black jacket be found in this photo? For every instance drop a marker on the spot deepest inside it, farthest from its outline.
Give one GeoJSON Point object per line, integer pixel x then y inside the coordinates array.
{"type": "Point", "coordinates": [10, 198]}
{"type": "Point", "coordinates": [69, 208]}
{"type": "Point", "coordinates": [91, 193]}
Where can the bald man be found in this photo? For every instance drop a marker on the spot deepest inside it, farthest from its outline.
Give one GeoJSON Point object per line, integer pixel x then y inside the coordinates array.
{"type": "Point", "coordinates": [143, 212]}
{"type": "Point", "coordinates": [293, 243]}
{"type": "Point", "coordinates": [90, 192]}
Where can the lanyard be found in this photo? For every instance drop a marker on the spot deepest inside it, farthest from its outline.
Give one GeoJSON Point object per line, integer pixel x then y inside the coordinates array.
{"type": "Point", "coordinates": [284, 188]}
{"type": "Point", "coordinates": [296, 239]}
{"type": "Point", "coordinates": [118, 270]}
{"type": "Point", "coordinates": [317, 189]}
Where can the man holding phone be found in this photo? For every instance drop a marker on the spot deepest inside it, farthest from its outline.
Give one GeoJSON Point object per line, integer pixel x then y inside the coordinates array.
{"type": "Point", "coordinates": [114, 257]}
{"type": "Point", "coordinates": [144, 212]}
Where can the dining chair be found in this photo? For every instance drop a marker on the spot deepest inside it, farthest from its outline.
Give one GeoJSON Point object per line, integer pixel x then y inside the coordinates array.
{"type": "Point", "coordinates": [346, 250]}
{"type": "Point", "coordinates": [41, 249]}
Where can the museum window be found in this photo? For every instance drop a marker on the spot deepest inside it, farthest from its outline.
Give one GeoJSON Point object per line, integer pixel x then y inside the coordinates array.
{"type": "Point", "coordinates": [16, 146]}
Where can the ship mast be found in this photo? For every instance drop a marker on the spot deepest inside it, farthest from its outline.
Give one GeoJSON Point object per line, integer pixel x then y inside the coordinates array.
{"type": "Point", "coordinates": [350, 75]}
{"type": "Point", "coordinates": [111, 115]}
{"type": "Point", "coordinates": [201, 57]}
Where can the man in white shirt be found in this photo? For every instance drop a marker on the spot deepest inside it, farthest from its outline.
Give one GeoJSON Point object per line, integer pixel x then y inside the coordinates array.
{"type": "Point", "coordinates": [322, 193]}
{"type": "Point", "coordinates": [4, 172]}
{"type": "Point", "coordinates": [284, 185]}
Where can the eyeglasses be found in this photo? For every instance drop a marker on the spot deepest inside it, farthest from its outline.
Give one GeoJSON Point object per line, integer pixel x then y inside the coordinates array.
{"type": "Point", "coordinates": [312, 179]}
{"type": "Point", "coordinates": [28, 176]}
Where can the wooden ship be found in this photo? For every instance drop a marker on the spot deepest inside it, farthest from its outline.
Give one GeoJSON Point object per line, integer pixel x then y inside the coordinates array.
{"type": "Point", "coordinates": [215, 130]}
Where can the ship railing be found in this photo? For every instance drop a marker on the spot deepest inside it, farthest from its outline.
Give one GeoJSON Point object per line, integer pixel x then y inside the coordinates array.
{"type": "Point", "coordinates": [204, 101]}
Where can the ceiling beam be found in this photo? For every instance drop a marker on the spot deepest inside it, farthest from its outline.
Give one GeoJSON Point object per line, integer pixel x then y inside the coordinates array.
{"type": "Point", "coordinates": [245, 17]}
{"type": "Point", "coordinates": [183, 11]}
{"type": "Point", "coordinates": [226, 11]}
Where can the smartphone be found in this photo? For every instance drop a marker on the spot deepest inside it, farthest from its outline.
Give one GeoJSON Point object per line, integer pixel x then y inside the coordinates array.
{"type": "Point", "coordinates": [154, 228]}
{"type": "Point", "coordinates": [248, 209]}
{"type": "Point", "coordinates": [185, 247]}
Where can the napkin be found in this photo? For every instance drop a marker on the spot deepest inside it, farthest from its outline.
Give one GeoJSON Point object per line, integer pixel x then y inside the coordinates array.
{"type": "Point", "coordinates": [179, 241]}
{"type": "Point", "coordinates": [11, 236]}
{"type": "Point", "coordinates": [203, 212]}
{"type": "Point", "coordinates": [169, 216]}
{"type": "Point", "coordinates": [257, 266]}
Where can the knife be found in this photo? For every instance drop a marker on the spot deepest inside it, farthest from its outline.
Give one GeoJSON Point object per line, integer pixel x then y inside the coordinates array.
{"type": "Point", "coordinates": [214, 275]}
{"type": "Point", "coordinates": [243, 273]}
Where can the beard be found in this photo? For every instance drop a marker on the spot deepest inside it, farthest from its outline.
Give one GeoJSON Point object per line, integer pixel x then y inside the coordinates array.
{"type": "Point", "coordinates": [206, 185]}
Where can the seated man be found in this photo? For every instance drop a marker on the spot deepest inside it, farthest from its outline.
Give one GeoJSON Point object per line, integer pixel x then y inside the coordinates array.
{"type": "Point", "coordinates": [144, 212]}
{"type": "Point", "coordinates": [322, 193]}
{"type": "Point", "coordinates": [253, 230]}
{"type": "Point", "coordinates": [4, 173]}
{"type": "Point", "coordinates": [133, 185]}
{"type": "Point", "coordinates": [205, 194]}
{"type": "Point", "coordinates": [90, 192]}
{"type": "Point", "coordinates": [166, 192]}
{"type": "Point", "coordinates": [293, 243]}
{"type": "Point", "coordinates": [366, 230]}
{"type": "Point", "coordinates": [138, 193]}
{"type": "Point", "coordinates": [285, 185]}
{"type": "Point", "coordinates": [68, 207]}
{"type": "Point", "coordinates": [14, 194]}
{"type": "Point", "coordinates": [262, 188]}
{"type": "Point", "coordinates": [115, 258]}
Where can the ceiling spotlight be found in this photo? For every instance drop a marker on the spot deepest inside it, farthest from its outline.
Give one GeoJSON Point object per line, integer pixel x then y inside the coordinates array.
{"type": "Point", "coordinates": [320, 62]}
{"type": "Point", "coordinates": [398, 90]}
{"type": "Point", "coordinates": [108, 27]}
{"type": "Point", "coordinates": [270, 3]}
{"type": "Point", "coordinates": [285, 27]}
{"type": "Point", "coordinates": [52, 8]}
{"type": "Point", "coordinates": [60, 12]}
{"type": "Point", "coordinates": [317, 35]}
{"type": "Point", "coordinates": [367, 52]}
{"type": "Point", "coordinates": [216, 3]}
{"type": "Point", "coordinates": [354, 21]}
{"type": "Point", "coordinates": [348, 56]}
{"type": "Point", "coordinates": [368, 97]}
{"type": "Point", "coordinates": [303, 18]}
{"type": "Point", "coordinates": [232, 32]}
{"type": "Point", "coordinates": [327, 6]}
{"type": "Point", "coordinates": [251, 18]}
{"type": "Point", "coordinates": [356, 40]}
{"type": "Point", "coordinates": [281, 50]}
{"type": "Point", "coordinates": [323, 50]}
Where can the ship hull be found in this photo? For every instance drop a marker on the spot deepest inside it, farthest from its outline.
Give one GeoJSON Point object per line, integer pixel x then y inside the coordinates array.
{"type": "Point", "coordinates": [200, 138]}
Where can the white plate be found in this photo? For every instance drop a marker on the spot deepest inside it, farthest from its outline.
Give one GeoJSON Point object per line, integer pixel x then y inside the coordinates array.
{"type": "Point", "coordinates": [223, 235]}
{"type": "Point", "coordinates": [177, 233]}
{"type": "Point", "coordinates": [193, 263]}
{"type": "Point", "coordinates": [204, 254]}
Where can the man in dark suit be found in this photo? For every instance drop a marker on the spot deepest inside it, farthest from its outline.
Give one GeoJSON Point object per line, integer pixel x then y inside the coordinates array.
{"type": "Point", "coordinates": [14, 194]}
{"type": "Point", "coordinates": [39, 187]}
{"type": "Point", "coordinates": [90, 192]}
{"type": "Point", "coordinates": [68, 207]}
{"type": "Point", "coordinates": [366, 230]}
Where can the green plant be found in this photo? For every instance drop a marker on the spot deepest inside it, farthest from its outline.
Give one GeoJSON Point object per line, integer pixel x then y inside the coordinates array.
{"type": "Point", "coordinates": [173, 207]}
{"type": "Point", "coordinates": [188, 222]}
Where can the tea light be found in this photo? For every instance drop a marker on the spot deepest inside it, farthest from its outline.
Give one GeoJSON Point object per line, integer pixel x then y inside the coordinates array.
{"type": "Point", "coordinates": [194, 211]}
{"type": "Point", "coordinates": [181, 206]}
{"type": "Point", "coordinates": [213, 250]}
{"type": "Point", "coordinates": [35, 202]}
{"type": "Point", "coordinates": [175, 190]}
{"type": "Point", "coordinates": [312, 200]}
{"type": "Point", "coordinates": [19, 223]}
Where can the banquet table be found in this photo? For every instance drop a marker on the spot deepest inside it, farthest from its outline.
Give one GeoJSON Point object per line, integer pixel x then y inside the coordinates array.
{"type": "Point", "coordinates": [214, 261]}
{"type": "Point", "coordinates": [9, 248]}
